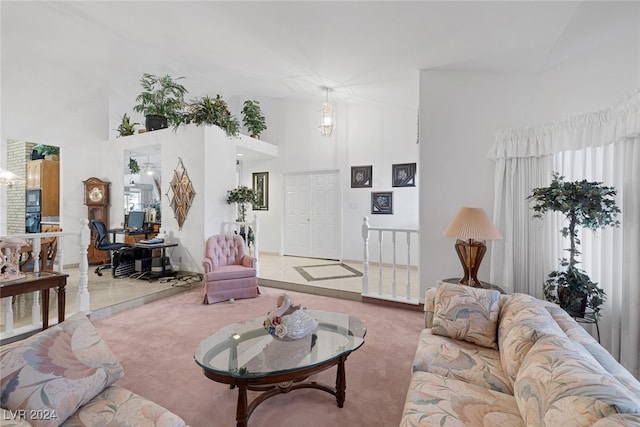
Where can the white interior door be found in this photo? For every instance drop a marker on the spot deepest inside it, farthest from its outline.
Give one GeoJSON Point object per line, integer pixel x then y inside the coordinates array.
{"type": "Point", "coordinates": [298, 215]}
{"type": "Point", "coordinates": [312, 209]}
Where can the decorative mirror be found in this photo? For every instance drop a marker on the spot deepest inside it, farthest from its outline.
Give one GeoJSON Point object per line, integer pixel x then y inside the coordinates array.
{"type": "Point", "coordinates": [180, 193]}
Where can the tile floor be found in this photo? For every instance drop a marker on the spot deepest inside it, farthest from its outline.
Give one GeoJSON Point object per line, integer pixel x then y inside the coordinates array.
{"type": "Point", "coordinates": [317, 276]}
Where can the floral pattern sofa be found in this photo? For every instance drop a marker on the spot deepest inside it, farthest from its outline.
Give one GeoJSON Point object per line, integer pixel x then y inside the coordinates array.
{"type": "Point", "coordinates": [64, 375]}
{"type": "Point", "coordinates": [486, 359]}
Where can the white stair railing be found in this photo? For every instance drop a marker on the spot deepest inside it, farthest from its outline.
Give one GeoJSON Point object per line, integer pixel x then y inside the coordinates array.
{"type": "Point", "coordinates": [84, 237]}
{"type": "Point", "coordinates": [242, 228]}
{"type": "Point", "coordinates": [390, 291]}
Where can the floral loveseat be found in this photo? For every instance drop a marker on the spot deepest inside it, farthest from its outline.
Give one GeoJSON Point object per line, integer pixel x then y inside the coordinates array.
{"type": "Point", "coordinates": [64, 375]}
{"type": "Point", "coordinates": [487, 359]}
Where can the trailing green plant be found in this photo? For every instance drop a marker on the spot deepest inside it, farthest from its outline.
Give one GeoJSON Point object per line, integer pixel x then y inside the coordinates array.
{"type": "Point", "coordinates": [212, 111]}
{"type": "Point", "coordinates": [44, 150]}
{"type": "Point", "coordinates": [252, 118]}
{"type": "Point", "coordinates": [134, 167]}
{"type": "Point", "coordinates": [161, 96]}
{"type": "Point", "coordinates": [126, 128]}
{"type": "Point", "coordinates": [590, 205]}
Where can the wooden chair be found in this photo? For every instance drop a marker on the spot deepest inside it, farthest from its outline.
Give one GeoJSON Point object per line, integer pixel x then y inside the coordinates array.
{"type": "Point", "coordinates": [48, 252]}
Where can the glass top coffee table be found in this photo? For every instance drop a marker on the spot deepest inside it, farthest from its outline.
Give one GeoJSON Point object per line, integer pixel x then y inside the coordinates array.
{"type": "Point", "coordinates": [244, 355]}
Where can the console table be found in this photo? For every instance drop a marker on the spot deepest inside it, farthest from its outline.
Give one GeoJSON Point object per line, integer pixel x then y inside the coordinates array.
{"type": "Point", "coordinates": [485, 285]}
{"type": "Point", "coordinates": [41, 281]}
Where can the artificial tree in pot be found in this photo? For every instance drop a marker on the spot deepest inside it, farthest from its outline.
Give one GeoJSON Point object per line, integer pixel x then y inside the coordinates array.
{"type": "Point", "coordinates": [161, 101]}
{"type": "Point", "coordinates": [586, 204]}
{"type": "Point", "coordinates": [243, 196]}
{"type": "Point", "coordinates": [252, 118]}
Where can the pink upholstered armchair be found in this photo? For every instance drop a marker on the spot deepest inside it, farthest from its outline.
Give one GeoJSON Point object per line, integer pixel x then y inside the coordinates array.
{"type": "Point", "coordinates": [228, 272]}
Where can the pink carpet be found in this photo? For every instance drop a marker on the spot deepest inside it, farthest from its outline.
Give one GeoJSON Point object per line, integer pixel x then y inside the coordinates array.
{"type": "Point", "coordinates": [155, 344]}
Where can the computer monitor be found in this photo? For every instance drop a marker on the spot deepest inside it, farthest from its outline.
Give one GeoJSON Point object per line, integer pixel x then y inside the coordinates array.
{"type": "Point", "coordinates": [135, 220]}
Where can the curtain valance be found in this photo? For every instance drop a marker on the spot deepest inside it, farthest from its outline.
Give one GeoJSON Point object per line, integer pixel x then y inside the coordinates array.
{"type": "Point", "coordinates": [587, 130]}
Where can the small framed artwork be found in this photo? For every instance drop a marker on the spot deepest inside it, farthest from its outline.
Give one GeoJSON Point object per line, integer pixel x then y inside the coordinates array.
{"type": "Point", "coordinates": [382, 202]}
{"type": "Point", "coordinates": [361, 176]}
{"type": "Point", "coordinates": [261, 188]}
{"type": "Point", "coordinates": [404, 175]}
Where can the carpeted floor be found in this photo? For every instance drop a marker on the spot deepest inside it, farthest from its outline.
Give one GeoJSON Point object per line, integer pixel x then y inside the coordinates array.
{"type": "Point", "coordinates": [155, 344]}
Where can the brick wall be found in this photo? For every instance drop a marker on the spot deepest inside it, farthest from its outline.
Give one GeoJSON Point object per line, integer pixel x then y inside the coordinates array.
{"type": "Point", "coordinates": [17, 155]}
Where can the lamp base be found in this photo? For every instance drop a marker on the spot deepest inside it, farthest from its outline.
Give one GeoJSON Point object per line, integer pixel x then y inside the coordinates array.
{"type": "Point", "coordinates": [470, 253]}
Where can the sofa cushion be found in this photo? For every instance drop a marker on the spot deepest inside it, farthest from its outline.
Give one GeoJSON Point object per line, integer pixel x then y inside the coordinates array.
{"type": "Point", "coordinates": [227, 272]}
{"type": "Point", "coordinates": [461, 360]}
{"type": "Point", "coordinates": [57, 370]}
{"type": "Point", "coordinates": [619, 420]}
{"type": "Point", "coordinates": [523, 320]}
{"type": "Point", "coordinates": [560, 383]}
{"type": "Point", "coordinates": [579, 335]}
{"type": "Point", "coordinates": [466, 313]}
{"type": "Point", "coordinates": [433, 400]}
{"type": "Point", "coordinates": [116, 406]}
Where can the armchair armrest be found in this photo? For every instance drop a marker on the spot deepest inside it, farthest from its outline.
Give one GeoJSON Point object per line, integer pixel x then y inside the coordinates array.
{"type": "Point", "coordinates": [429, 303]}
{"type": "Point", "coordinates": [207, 263]}
{"type": "Point", "coordinates": [248, 261]}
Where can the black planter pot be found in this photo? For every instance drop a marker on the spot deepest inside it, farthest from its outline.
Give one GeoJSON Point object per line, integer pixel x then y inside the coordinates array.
{"type": "Point", "coordinates": [153, 122]}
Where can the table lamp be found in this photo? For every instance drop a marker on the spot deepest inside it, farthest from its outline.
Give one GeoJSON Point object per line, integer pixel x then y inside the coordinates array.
{"type": "Point", "coordinates": [471, 227]}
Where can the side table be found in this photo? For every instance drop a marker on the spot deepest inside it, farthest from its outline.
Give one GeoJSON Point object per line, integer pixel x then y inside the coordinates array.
{"type": "Point", "coordinates": [485, 285]}
{"type": "Point", "coordinates": [588, 318]}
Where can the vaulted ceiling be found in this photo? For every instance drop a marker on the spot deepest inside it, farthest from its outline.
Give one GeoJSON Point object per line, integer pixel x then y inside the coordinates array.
{"type": "Point", "coordinates": [367, 51]}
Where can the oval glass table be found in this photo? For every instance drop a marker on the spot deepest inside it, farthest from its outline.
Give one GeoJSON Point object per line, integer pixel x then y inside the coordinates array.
{"type": "Point", "coordinates": [245, 356]}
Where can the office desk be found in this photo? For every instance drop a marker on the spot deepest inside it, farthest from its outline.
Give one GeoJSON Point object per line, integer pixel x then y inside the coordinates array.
{"type": "Point", "coordinates": [134, 234]}
{"type": "Point", "coordinates": [42, 281]}
{"type": "Point", "coordinates": [147, 250]}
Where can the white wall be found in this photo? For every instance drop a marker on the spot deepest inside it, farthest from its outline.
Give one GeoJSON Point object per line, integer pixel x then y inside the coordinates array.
{"type": "Point", "coordinates": [364, 135]}
{"type": "Point", "coordinates": [461, 111]}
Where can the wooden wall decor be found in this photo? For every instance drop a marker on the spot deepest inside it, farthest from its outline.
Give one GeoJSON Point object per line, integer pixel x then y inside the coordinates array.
{"type": "Point", "coordinates": [180, 193]}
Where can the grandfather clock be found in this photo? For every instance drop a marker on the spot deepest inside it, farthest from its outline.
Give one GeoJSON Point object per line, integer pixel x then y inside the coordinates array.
{"type": "Point", "coordinates": [96, 197]}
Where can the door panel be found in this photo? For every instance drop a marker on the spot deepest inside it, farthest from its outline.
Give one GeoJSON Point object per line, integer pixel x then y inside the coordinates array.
{"type": "Point", "coordinates": [312, 216]}
{"type": "Point", "coordinates": [297, 235]}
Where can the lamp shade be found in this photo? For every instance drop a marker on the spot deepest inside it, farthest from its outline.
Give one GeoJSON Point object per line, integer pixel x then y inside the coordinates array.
{"type": "Point", "coordinates": [472, 223]}
{"type": "Point", "coordinates": [8, 178]}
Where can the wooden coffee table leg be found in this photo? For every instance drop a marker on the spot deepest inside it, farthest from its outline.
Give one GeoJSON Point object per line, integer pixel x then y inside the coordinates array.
{"type": "Point", "coordinates": [341, 382]}
{"type": "Point", "coordinates": [241, 410]}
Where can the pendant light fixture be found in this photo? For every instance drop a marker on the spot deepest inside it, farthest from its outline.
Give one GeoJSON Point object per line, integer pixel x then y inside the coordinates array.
{"type": "Point", "coordinates": [326, 115]}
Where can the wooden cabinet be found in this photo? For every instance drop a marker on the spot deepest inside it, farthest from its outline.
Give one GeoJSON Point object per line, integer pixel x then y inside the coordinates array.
{"type": "Point", "coordinates": [45, 175]}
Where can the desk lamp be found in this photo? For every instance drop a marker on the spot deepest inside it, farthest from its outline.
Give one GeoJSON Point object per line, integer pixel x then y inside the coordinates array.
{"type": "Point", "coordinates": [471, 227]}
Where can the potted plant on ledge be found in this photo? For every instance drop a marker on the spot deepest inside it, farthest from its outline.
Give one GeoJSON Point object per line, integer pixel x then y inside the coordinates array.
{"type": "Point", "coordinates": [161, 101]}
{"type": "Point", "coordinates": [126, 128]}
{"type": "Point", "coordinates": [211, 111]}
{"type": "Point", "coordinates": [253, 119]}
{"type": "Point", "coordinates": [590, 205]}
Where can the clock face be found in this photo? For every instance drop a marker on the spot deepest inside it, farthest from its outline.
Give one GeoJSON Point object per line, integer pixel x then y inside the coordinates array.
{"type": "Point", "coordinates": [95, 194]}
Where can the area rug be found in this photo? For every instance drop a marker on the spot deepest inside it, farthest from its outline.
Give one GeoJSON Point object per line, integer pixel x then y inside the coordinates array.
{"type": "Point", "coordinates": [155, 344]}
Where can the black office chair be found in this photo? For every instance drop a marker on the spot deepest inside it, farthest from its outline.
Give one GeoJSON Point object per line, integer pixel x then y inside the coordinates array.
{"type": "Point", "coordinates": [102, 244]}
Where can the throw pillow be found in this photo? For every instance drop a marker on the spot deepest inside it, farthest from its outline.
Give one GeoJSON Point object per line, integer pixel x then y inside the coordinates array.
{"type": "Point", "coordinates": [468, 314]}
{"type": "Point", "coordinates": [49, 375]}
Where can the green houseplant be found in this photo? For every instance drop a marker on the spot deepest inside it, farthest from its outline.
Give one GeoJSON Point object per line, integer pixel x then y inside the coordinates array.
{"type": "Point", "coordinates": [211, 111]}
{"type": "Point", "coordinates": [252, 118]}
{"type": "Point", "coordinates": [126, 128]}
{"type": "Point", "coordinates": [242, 196]}
{"type": "Point", "coordinates": [590, 205]}
{"type": "Point", "coordinates": [134, 167]}
{"type": "Point", "coordinates": [47, 151]}
{"type": "Point", "coordinates": [161, 101]}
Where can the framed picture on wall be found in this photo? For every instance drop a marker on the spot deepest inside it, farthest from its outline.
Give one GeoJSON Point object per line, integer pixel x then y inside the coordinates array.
{"type": "Point", "coordinates": [404, 175]}
{"type": "Point", "coordinates": [261, 188]}
{"type": "Point", "coordinates": [382, 202]}
{"type": "Point", "coordinates": [361, 176]}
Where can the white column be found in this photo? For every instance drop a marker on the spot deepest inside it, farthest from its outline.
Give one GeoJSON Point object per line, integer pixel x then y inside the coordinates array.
{"type": "Point", "coordinates": [83, 285]}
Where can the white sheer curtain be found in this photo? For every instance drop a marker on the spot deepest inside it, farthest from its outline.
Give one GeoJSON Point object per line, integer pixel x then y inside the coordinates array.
{"type": "Point", "coordinates": [602, 146]}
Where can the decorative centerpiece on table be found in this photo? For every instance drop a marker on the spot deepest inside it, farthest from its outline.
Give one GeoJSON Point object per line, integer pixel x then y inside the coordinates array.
{"type": "Point", "coordinates": [9, 259]}
{"type": "Point", "coordinates": [289, 322]}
